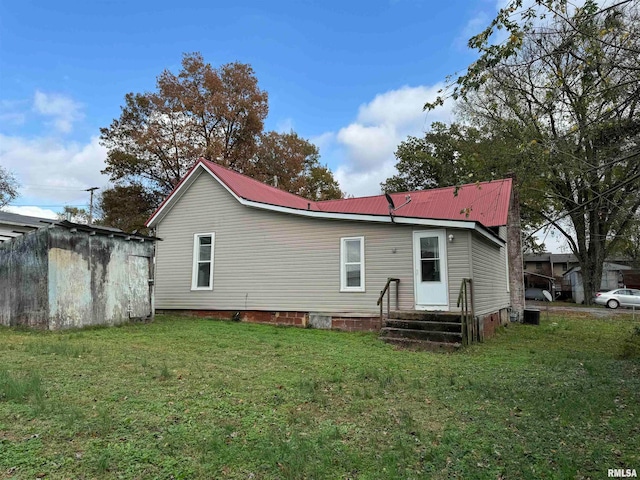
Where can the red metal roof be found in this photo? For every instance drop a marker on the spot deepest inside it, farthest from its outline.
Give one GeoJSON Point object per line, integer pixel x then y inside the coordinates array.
{"type": "Point", "coordinates": [484, 202]}
{"type": "Point", "coordinates": [251, 189]}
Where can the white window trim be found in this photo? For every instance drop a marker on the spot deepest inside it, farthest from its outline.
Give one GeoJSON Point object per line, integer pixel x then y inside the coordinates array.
{"type": "Point", "coordinates": [195, 257]}
{"type": "Point", "coordinates": [343, 262]}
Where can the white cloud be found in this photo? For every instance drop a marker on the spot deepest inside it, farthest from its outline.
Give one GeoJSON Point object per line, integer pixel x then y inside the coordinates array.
{"type": "Point", "coordinates": [474, 26]}
{"type": "Point", "coordinates": [365, 148]}
{"type": "Point", "coordinates": [51, 171]}
{"type": "Point", "coordinates": [368, 145]}
{"type": "Point", "coordinates": [33, 212]}
{"type": "Point", "coordinates": [324, 141]}
{"type": "Point", "coordinates": [285, 126]}
{"type": "Point", "coordinates": [63, 110]}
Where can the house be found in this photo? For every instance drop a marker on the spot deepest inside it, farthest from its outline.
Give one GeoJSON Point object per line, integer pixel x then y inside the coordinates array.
{"type": "Point", "coordinates": [546, 270]}
{"type": "Point", "coordinates": [13, 225]}
{"type": "Point", "coordinates": [612, 278]}
{"type": "Point", "coordinates": [58, 274]}
{"type": "Point", "coordinates": [235, 247]}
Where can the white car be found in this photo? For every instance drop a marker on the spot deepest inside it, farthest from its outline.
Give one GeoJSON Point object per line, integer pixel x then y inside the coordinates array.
{"type": "Point", "coordinates": [621, 297]}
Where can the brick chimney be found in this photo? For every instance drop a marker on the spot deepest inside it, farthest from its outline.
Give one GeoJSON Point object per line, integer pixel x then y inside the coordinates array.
{"type": "Point", "coordinates": [514, 251]}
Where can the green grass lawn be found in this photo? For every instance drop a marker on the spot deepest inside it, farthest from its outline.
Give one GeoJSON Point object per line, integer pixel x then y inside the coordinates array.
{"type": "Point", "coordinates": [197, 398]}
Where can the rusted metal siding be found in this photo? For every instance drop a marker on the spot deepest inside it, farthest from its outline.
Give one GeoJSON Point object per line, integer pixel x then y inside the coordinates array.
{"type": "Point", "coordinates": [55, 278]}
{"type": "Point", "coordinates": [23, 280]}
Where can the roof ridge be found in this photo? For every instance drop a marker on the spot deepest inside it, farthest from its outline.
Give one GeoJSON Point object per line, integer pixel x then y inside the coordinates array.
{"type": "Point", "coordinates": [253, 180]}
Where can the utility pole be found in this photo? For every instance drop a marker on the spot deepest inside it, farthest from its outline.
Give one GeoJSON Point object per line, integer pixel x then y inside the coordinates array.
{"type": "Point", "coordinates": [91, 190]}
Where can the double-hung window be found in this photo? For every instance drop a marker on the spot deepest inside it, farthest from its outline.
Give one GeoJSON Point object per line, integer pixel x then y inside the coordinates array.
{"type": "Point", "coordinates": [352, 264]}
{"type": "Point", "coordinates": [202, 276]}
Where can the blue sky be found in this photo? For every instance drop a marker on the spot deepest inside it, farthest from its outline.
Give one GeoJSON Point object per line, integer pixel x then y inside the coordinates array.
{"type": "Point", "coordinates": [351, 76]}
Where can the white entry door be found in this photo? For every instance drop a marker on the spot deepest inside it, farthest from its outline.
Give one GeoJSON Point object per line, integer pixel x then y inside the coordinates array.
{"type": "Point", "coordinates": [430, 270]}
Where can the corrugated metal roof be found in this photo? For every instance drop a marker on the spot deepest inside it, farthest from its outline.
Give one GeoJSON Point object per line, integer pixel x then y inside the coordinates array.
{"type": "Point", "coordinates": [484, 202]}
{"type": "Point", "coordinates": [13, 225]}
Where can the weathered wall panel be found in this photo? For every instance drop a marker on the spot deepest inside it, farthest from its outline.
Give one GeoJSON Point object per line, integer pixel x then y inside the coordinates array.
{"type": "Point", "coordinates": [55, 278]}
{"type": "Point", "coordinates": [93, 279]}
{"type": "Point", "coordinates": [23, 280]}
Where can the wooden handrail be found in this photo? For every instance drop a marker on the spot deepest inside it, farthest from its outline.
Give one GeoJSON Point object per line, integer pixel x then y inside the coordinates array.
{"type": "Point", "coordinates": [465, 298]}
{"type": "Point", "coordinates": [381, 298]}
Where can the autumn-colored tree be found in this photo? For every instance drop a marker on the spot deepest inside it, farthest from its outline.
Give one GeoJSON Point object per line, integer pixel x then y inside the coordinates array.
{"type": "Point", "coordinates": [8, 187]}
{"type": "Point", "coordinates": [201, 112]}
{"type": "Point", "coordinates": [215, 113]}
{"type": "Point", "coordinates": [126, 207]}
{"type": "Point", "coordinates": [292, 163]}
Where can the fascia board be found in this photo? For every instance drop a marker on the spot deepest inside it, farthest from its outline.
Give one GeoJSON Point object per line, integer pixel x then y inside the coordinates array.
{"type": "Point", "coordinates": [465, 225]}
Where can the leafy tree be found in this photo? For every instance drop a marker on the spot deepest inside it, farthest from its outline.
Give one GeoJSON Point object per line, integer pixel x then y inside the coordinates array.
{"type": "Point", "coordinates": [8, 187]}
{"type": "Point", "coordinates": [451, 155]}
{"type": "Point", "coordinates": [217, 114]}
{"type": "Point", "coordinates": [320, 184]}
{"type": "Point", "coordinates": [74, 214]}
{"type": "Point", "coordinates": [565, 85]}
{"type": "Point", "coordinates": [126, 207]}
{"type": "Point", "coordinates": [628, 246]}
{"type": "Point", "coordinates": [292, 164]}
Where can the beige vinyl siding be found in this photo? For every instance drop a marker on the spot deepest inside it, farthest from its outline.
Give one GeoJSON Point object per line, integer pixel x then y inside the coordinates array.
{"type": "Point", "coordinates": [489, 276]}
{"type": "Point", "coordinates": [458, 265]}
{"type": "Point", "coordinates": [266, 260]}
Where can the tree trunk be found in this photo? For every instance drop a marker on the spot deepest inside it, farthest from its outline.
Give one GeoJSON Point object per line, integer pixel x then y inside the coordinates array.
{"type": "Point", "coordinates": [591, 267]}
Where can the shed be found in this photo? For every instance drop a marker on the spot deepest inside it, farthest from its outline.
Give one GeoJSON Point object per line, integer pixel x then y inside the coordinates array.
{"type": "Point", "coordinates": [611, 279]}
{"type": "Point", "coordinates": [65, 275]}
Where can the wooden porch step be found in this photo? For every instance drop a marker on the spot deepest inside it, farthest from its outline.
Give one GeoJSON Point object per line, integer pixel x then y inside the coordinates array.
{"type": "Point", "coordinates": [426, 335]}
{"type": "Point", "coordinates": [429, 325]}
{"type": "Point", "coordinates": [425, 316]}
{"type": "Point", "coordinates": [422, 345]}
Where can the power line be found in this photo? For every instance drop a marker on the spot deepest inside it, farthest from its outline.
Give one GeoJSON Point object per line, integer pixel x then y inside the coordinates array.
{"type": "Point", "coordinates": [50, 206]}
{"type": "Point", "coordinates": [52, 187]}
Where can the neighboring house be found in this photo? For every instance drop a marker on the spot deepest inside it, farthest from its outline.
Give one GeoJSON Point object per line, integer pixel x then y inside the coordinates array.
{"type": "Point", "coordinates": [546, 270]}
{"type": "Point", "coordinates": [60, 274]}
{"type": "Point", "coordinates": [612, 278]}
{"type": "Point", "coordinates": [13, 225]}
{"type": "Point", "coordinates": [235, 247]}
